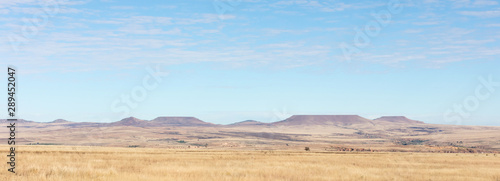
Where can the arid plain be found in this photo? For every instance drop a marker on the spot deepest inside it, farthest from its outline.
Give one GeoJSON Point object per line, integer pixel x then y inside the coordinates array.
{"type": "Point", "coordinates": [340, 147]}
{"type": "Point", "coordinates": [62, 163]}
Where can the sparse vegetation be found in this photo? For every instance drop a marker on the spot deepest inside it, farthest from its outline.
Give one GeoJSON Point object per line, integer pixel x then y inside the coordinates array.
{"type": "Point", "coordinates": [200, 145]}
{"type": "Point", "coordinates": [62, 163]}
{"type": "Point", "coordinates": [410, 141]}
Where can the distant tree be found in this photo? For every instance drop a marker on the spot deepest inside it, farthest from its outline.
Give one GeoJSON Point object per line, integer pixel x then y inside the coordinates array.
{"type": "Point", "coordinates": [307, 149]}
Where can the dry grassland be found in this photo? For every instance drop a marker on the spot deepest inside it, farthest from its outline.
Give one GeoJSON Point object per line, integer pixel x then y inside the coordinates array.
{"type": "Point", "coordinates": [107, 163]}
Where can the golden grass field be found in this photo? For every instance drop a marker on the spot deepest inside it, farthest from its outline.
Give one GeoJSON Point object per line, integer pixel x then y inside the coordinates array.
{"type": "Point", "coordinates": [39, 163]}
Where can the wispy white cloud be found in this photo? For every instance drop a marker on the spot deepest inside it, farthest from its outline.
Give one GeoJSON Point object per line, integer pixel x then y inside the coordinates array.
{"type": "Point", "coordinates": [460, 3]}
{"type": "Point", "coordinates": [393, 59]}
{"type": "Point", "coordinates": [203, 18]}
{"type": "Point", "coordinates": [289, 12]}
{"type": "Point", "coordinates": [413, 30]}
{"type": "Point", "coordinates": [475, 42]}
{"type": "Point", "coordinates": [139, 29]}
{"type": "Point", "coordinates": [280, 31]}
{"type": "Point", "coordinates": [485, 3]}
{"type": "Point", "coordinates": [493, 25]}
{"type": "Point", "coordinates": [326, 6]}
{"type": "Point", "coordinates": [426, 23]}
{"type": "Point", "coordinates": [38, 10]}
{"type": "Point", "coordinates": [482, 14]}
{"type": "Point", "coordinates": [4, 11]}
{"type": "Point", "coordinates": [122, 7]}
{"type": "Point", "coordinates": [130, 38]}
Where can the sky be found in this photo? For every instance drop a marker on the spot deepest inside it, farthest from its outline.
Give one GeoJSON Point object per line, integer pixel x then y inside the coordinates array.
{"type": "Point", "coordinates": [228, 61]}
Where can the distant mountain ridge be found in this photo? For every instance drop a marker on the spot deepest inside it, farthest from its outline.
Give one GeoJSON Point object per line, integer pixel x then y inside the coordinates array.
{"type": "Point", "coordinates": [322, 132]}
{"type": "Point", "coordinates": [295, 120]}
{"type": "Point", "coordinates": [161, 121]}
{"type": "Point", "coordinates": [20, 121]}
{"type": "Point", "coordinates": [249, 123]}
{"type": "Point", "coordinates": [337, 120]}
{"type": "Point", "coordinates": [397, 119]}
{"type": "Point", "coordinates": [179, 121]}
{"type": "Point", "coordinates": [130, 121]}
{"type": "Point", "coordinates": [60, 121]}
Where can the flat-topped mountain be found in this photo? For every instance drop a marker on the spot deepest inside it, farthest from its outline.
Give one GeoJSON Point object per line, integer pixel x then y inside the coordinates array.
{"type": "Point", "coordinates": [396, 119]}
{"type": "Point", "coordinates": [178, 121]}
{"type": "Point", "coordinates": [19, 121]}
{"type": "Point", "coordinates": [249, 123]}
{"type": "Point", "coordinates": [60, 121]}
{"type": "Point", "coordinates": [311, 120]}
{"type": "Point", "coordinates": [161, 122]}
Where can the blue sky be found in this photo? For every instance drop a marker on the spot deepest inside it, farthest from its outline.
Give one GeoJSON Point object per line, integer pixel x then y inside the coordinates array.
{"type": "Point", "coordinates": [260, 60]}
